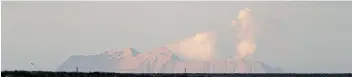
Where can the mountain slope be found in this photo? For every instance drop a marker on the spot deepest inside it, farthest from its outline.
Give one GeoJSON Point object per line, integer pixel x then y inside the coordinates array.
{"type": "Point", "coordinates": [160, 60]}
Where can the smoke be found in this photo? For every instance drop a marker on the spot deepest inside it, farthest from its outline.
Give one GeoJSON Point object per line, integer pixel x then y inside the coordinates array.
{"type": "Point", "coordinates": [201, 46]}
{"type": "Point", "coordinates": [245, 28]}
{"type": "Point", "coordinates": [197, 47]}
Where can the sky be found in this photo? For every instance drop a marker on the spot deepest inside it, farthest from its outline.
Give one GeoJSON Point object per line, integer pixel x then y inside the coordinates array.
{"type": "Point", "coordinates": [297, 36]}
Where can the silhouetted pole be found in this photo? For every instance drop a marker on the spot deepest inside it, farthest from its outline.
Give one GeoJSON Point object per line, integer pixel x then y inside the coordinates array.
{"type": "Point", "coordinates": [76, 71]}
{"type": "Point", "coordinates": [185, 70]}
{"type": "Point", "coordinates": [234, 70]}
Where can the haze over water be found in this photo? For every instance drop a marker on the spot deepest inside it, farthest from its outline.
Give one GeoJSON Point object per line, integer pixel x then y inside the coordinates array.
{"type": "Point", "coordinates": [296, 36]}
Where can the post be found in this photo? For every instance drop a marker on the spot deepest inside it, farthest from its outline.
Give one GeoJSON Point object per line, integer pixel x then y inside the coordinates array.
{"type": "Point", "coordinates": [234, 70]}
{"type": "Point", "coordinates": [185, 70]}
{"type": "Point", "coordinates": [76, 69]}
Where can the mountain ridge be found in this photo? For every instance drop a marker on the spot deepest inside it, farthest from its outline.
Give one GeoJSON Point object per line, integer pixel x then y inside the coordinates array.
{"type": "Point", "coordinates": [160, 60]}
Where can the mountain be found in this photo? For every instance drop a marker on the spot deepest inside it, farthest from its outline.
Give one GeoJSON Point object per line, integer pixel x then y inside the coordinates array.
{"type": "Point", "coordinates": [106, 61]}
{"type": "Point", "coordinates": [207, 52]}
{"type": "Point", "coordinates": [160, 60]}
{"type": "Point", "coordinates": [89, 63]}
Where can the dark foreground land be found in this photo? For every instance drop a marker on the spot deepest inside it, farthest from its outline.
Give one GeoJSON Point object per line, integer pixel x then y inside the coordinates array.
{"type": "Point", "coordinates": [106, 74]}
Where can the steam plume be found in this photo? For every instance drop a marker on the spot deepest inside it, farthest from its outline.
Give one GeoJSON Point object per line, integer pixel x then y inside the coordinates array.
{"type": "Point", "coordinates": [198, 47]}
{"type": "Point", "coordinates": [245, 32]}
